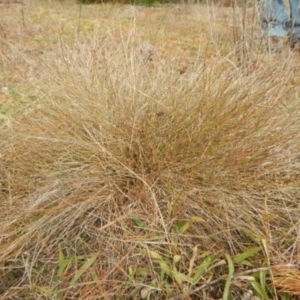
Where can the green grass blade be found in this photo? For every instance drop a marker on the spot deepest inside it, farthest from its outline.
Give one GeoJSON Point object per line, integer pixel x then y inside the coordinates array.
{"type": "Point", "coordinates": [165, 267]}
{"type": "Point", "coordinates": [64, 265]}
{"type": "Point", "coordinates": [180, 277]}
{"type": "Point", "coordinates": [83, 268]}
{"type": "Point", "coordinates": [155, 255]}
{"type": "Point", "coordinates": [286, 296]}
{"type": "Point", "coordinates": [226, 292]}
{"type": "Point", "coordinates": [202, 269]}
{"type": "Point", "coordinates": [180, 226]}
{"type": "Point", "coordinates": [258, 288]}
{"type": "Point", "coordinates": [140, 223]}
{"type": "Point", "coordinates": [243, 256]}
{"type": "Point", "coordinates": [63, 261]}
{"type": "Point", "coordinates": [61, 256]}
{"type": "Point", "coordinates": [262, 279]}
{"type": "Point", "coordinates": [185, 227]}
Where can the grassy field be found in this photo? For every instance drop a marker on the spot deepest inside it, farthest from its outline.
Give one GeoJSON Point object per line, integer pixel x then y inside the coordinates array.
{"type": "Point", "coordinates": [146, 153]}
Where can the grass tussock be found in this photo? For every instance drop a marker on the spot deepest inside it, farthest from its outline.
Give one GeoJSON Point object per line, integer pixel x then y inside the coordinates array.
{"type": "Point", "coordinates": [130, 179]}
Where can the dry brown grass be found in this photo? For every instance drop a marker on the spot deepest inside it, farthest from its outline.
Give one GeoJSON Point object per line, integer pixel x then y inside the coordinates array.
{"type": "Point", "coordinates": [115, 168]}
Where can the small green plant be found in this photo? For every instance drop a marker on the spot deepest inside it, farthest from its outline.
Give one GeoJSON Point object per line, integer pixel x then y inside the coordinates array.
{"type": "Point", "coordinates": [65, 265]}
{"type": "Point", "coordinates": [199, 275]}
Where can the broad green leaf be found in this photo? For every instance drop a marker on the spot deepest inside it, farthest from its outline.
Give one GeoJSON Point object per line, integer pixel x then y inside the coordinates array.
{"type": "Point", "coordinates": [181, 226]}
{"type": "Point", "coordinates": [185, 227]}
{"type": "Point", "coordinates": [83, 268]}
{"type": "Point", "coordinates": [202, 269]}
{"type": "Point", "coordinates": [228, 281]}
{"type": "Point", "coordinates": [259, 289]}
{"type": "Point", "coordinates": [141, 272]}
{"type": "Point", "coordinates": [243, 256]}
{"type": "Point", "coordinates": [165, 267]}
{"type": "Point", "coordinates": [155, 255]}
{"type": "Point", "coordinates": [177, 227]}
{"type": "Point", "coordinates": [180, 277]}
{"type": "Point", "coordinates": [140, 223]}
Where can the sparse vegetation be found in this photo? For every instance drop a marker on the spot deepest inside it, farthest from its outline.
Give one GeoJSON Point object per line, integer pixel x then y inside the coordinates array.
{"type": "Point", "coordinates": [146, 153]}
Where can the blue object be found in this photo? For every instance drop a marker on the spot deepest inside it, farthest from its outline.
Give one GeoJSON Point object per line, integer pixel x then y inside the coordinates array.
{"type": "Point", "coordinates": [277, 22]}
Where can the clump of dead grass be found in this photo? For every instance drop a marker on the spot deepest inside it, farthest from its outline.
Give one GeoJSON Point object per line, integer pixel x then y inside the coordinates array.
{"type": "Point", "coordinates": [120, 154]}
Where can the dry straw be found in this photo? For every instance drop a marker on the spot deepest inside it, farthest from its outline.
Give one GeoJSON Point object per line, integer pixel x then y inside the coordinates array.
{"type": "Point", "coordinates": [118, 151]}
